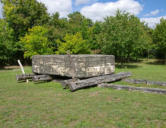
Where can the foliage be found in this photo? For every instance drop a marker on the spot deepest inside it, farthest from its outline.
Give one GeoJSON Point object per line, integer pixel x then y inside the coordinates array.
{"type": "Point", "coordinates": [123, 36]}
{"type": "Point", "coordinates": [150, 51]}
{"type": "Point", "coordinates": [6, 43]}
{"type": "Point", "coordinates": [36, 42]}
{"type": "Point", "coordinates": [24, 14]}
{"type": "Point", "coordinates": [159, 37]}
{"type": "Point", "coordinates": [93, 39]}
{"type": "Point", "coordinates": [58, 28]}
{"type": "Point", "coordinates": [78, 23]}
{"type": "Point", "coordinates": [73, 44]}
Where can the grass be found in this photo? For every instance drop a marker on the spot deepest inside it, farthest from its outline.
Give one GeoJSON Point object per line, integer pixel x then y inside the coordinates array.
{"type": "Point", "coordinates": [146, 70]}
{"type": "Point", "coordinates": [47, 105]}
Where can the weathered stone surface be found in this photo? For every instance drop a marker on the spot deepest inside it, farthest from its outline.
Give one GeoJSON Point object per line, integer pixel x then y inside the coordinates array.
{"type": "Point", "coordinates": [131, 88]}
{"type": "Point", "coordinates": [79, 66]}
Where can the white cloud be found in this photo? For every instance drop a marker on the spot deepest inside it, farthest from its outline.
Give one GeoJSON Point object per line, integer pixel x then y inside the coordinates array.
{"type": "Point", "coordinates": [153, 13]}
{"type": "Point", "coordinates": [79, 2]}
{"type": "Point", "coordinates": [64, 7]}
{"type": "Point", "coordinates": [151, 22]}
{"type": "Point", "coordinates": [98, 11]}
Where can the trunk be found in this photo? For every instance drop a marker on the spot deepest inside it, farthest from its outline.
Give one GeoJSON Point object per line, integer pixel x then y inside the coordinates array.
{"type": "Point", "coordinates": [97, 80]}
{"type": "Point", "coordinates": [124, 87]}
{"type": "Point", "coordinates": [165, 59]}
{"type": "Point", "coordinates": [24, 77]}
{"type": "Point", "coordinates": [42, 78]}
{"type": "Point", "coordinates": [148, 54]}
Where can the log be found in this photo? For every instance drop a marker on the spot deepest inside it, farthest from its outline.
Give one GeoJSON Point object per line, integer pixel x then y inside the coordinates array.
{"type": "Point", "coordinates": [131, 88]}
{"type": "Point", "coordinates": [37, 78]}
{"type": "Point", "coordinates": [24, 77]}
{"type": "Point", "coordinates": [66, 82]}
{"type": "Point", "coordinates": [135, 81]}
{"type": "Point", "coordinates": [73, 86]}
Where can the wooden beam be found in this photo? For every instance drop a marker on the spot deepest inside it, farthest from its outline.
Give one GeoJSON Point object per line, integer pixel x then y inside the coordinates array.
{"type": "Point", "coordinates": [97, 80]}
{"type": "Point", "coordinates": [24, 77]}
{"type": "Point", "coordinates": [148, 82]}
{"type": "Point", "coordinates": [131, 88]}
{"type": "Point", "coordinates": [37, 78]}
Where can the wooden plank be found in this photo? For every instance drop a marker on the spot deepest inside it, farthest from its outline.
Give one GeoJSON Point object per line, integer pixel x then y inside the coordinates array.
{"type": "Point", "coordinates": [97, 80]}
{"type": "Point", "coordinates": [131, 88]}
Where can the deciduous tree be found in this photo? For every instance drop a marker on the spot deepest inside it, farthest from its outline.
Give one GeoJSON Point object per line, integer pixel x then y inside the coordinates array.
{"type": "Point", "coordinates": [6, 43]}
{"type": "Point", "coordinates": [36, 42]}
{"type": "Point", "coordinates": [159, 37]}
{"type": "Point", "coordinates": [24, 14]}
{"type": "Point", "coordinates": [124, 36]}
{"type": "Point", "coordinates": [73, 44]}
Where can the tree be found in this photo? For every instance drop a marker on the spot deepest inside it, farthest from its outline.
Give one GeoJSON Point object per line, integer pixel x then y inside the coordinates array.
{"type": "Point", "coordinates": [124, 36]}
{"type": "Point", "coordinates": [150, 50]}
{"type": "Point", "coordinates": [58, 28]}
{"type": "Point", "coordinates": [73, 44]}
{"type": "Point", "coordinates": [159, 37]}
{"type": "Point", "coordinates": [78, 23]}
{"type": "Point", "coordinates": [6, 43]}
{"type": "Point", "coordinates": [94, 33]}
{"type": "Point", "coordinates": [24, 14]}
{"type": "Point", "coordinates": [36, 42]}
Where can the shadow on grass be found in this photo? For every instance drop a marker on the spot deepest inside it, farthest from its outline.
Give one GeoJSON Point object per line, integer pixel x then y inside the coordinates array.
{"type": "Point", "coordinates": [157, 62]}
{"type": "Point", "coordinates": [129, 66]}
{"type": "Point", "coordinates": [83, 89]}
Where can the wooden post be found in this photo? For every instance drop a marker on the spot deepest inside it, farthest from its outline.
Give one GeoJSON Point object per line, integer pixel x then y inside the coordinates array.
{"type": "Point", "coordinates": [22, 69]}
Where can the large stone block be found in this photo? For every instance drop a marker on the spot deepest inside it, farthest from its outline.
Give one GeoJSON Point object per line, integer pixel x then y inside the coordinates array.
{"type": "Point", "coordinates": [79, 66]}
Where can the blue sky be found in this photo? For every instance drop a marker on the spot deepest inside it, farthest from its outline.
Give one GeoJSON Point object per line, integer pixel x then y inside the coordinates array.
{"type": "Point", "coordinates": [148, 6]}
{"type": "Point", "coordinates": [149, 11]}
{"type": "Point", "coordinates": [151, 5]}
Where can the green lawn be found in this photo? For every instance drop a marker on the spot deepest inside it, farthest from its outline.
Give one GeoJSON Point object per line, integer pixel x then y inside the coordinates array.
{"type": "Point", "coordinates": [47, 105]}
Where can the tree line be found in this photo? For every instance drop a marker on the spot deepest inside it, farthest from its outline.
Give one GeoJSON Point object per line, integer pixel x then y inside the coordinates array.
{"type": "Point", "coordinates": [27, 29]}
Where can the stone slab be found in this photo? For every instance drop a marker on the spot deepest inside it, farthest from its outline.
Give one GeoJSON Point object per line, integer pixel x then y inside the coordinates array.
{"type": "Point", "coordinates": [78, 66]}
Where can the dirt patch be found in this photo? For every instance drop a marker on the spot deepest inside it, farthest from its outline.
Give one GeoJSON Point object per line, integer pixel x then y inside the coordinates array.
{"type": "Point", "coordinates": [11, 67]}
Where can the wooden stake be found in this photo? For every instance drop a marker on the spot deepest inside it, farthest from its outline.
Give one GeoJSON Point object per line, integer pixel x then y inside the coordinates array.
{"type": "Point", "coordinates": [22, 69]}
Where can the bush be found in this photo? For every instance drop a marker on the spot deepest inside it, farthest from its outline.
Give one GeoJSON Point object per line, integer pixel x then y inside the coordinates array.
{"type": "Point", "coordinates": [36, 42]}
{"type": "Point", "coordinates": [73, 44]}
